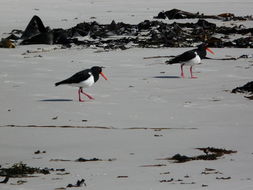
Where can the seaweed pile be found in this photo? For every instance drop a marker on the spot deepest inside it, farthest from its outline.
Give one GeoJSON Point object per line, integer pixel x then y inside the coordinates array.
{"type": "Point", "coordinates": [22, 170]}
{"type": "Point", "coordinates": [146, 34]}
{"type": "Point", "coordinates": [179, 14]}
{"type": "Point", "coordinates": [211, 153]}
{"type": "Point", "coordinates": [247, 88]}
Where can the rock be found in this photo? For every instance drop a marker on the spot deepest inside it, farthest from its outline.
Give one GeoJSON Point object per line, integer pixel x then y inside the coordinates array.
{"type": "Point", "coordinates": [181, 158]}
{"type": "Point", "coordinates": [6, 43]}
{"type": "Point", "coordinates": [247, 88]}
{"type": "Point", "coordinates": [206, 25]}
{"type": "Point", "coordinates": [6, 179]}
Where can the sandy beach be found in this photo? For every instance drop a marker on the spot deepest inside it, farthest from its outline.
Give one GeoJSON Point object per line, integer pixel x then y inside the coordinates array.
{"type": "Point", "coordinates": [143, 114]}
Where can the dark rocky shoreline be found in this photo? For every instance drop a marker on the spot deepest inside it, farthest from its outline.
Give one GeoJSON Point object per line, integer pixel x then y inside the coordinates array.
{"type": "Point", "coordinates": [146, 34]}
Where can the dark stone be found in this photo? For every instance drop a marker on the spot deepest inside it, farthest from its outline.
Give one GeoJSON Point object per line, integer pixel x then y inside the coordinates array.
{"type": "Point", "coordinates": [179, 14]}
{"type": "Point", "coordinates": [34, 27]}
{"type": "Point", "coordinates": [181, 158]}
{"type": "Point", "coordinates": [42, 38]}
{"type": "Point", "coordinates": [6, 179]}
{"type": "Point", "coordinates": [161, 15]}
{"type": "Point", "coordinates": [206, 25]}
{"type": "Point", "coordinates": [244, 42]}
{"type": "Point", "coordinates": [245, 88]}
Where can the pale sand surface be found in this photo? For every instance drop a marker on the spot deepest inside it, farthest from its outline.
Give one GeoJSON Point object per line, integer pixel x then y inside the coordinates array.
{"type": "Point", "coordinates": [140, 93]}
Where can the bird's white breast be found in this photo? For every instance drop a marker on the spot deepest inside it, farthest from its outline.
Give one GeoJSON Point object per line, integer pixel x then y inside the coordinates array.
{"type": "Point", "coordinates": [195, 61]}
{"type": "Point", "coordinates": [86, 83]}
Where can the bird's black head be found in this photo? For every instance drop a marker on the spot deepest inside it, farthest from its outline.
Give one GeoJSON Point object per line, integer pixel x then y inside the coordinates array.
{"type": "Point", "coordinates": [202, 46]}
{"type": "Point", "coordinates": [96, 70]}
{"type": "Point", "coordinates": [202, 50]}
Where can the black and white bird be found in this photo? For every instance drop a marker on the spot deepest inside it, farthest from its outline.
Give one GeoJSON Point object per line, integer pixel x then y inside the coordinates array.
{"type": "Point", "coordinates": [190, 58]}
{"type": "Point", "coordinates": [84, 79]}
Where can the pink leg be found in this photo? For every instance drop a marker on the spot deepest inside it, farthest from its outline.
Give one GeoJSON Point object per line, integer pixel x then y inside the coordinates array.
{"type": "Point", "coordinates": [193, 77]}
{"type": "Point", "coordinates": [79, 95]}
{"type": "Point", "coordinates": [182, 71]}
{"type": "Point", "coordinates": [89, 96]}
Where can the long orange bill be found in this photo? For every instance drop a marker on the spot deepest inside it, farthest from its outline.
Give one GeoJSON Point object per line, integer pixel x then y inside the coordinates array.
{"type": "Point", "coordinates": [210, 51]}
{"type": "Point", "coordinates": [103, 76]}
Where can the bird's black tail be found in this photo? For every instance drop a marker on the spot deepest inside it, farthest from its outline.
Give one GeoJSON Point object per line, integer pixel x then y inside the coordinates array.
{"type": "Point", "coordinates": [59, 83]}
{"type": "Point", "coordinates": [171, 61]}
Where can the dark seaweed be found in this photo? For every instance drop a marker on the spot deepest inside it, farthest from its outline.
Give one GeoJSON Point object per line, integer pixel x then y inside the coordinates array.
{"type": "Point", "coordinates": [245, 88]}
{"type": "Point", "coordinates": [210, 154]}
{"type": "Point", "coordinates": [22, 170]}
{"type": "Point", "coordinates": [145, 34]}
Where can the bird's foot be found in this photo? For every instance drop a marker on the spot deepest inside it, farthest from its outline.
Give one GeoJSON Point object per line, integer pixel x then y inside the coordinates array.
{"type": "Point", "coordinates": [91, 98]}
{"type": "Point", "coordinates": [194, 77]}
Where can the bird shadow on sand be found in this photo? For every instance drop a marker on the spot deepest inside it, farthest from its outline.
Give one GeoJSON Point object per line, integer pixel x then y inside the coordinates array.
{"type": "Point", "coordinates": [56, 100]}
{"type": "Point", "coordinates": [166, 77]}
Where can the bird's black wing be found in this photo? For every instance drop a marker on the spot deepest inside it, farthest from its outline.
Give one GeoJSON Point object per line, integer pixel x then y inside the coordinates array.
{"type": "Point", "coordinates": [76, 78]}
{"type": "Point", "coordinates": [186, 56]}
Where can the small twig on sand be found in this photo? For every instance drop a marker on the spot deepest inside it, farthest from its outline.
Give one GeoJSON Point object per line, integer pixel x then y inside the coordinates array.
{"type": "Point", "coordinates": [162, 56]}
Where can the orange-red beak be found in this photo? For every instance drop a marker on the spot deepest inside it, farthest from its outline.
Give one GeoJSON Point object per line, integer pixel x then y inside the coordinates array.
{"type": "Point", "coordinates": [210, 51]}
{"type": "Point", "coordinates": [103, 76]}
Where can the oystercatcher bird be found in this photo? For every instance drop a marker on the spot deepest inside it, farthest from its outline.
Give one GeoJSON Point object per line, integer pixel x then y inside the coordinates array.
{"type": "Point", "coordinates": [191, 58]}
{"type": "Point", "coordinates": [84, 79]}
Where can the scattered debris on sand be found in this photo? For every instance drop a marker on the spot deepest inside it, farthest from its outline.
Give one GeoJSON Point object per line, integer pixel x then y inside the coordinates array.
{"type": "Point", "coordinates": [167, 180]}
{"type": "Point", "coordinates": [55, 118]}
{"type": "Point", "coordinates": [213, 150]}
{"type": "Point", "coordinates": [79, 183]}
{"type": "Point", "coordinates": [83, 160]}
{"type": "Point", "coordinates": [223, 178]}
{"type": "Point", "coordinates": [60, 188]}
{"type": "Point", "coordinates": [101, 127]}
{"type": "Point", "coordinates": [208, 171]}
{"type": "Point", "coordinates": [210, 154]}
{"type": "Point", "coordinates": [165, 173]}
{"type": "Point", "coordinates": [122, 176]}
{"type": "Point", "coordinates": [153, 165]}
{"type": "Point", "coordinates": [88, 160]}
{"type": "Point", "coordinates": [60, 126]}
{"type": "Point", "coordinates": [180, 14]}
{"type": "Point", "coordinates": [178, 181]}
{"type": "Point", "coordinates": [40, 152]}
